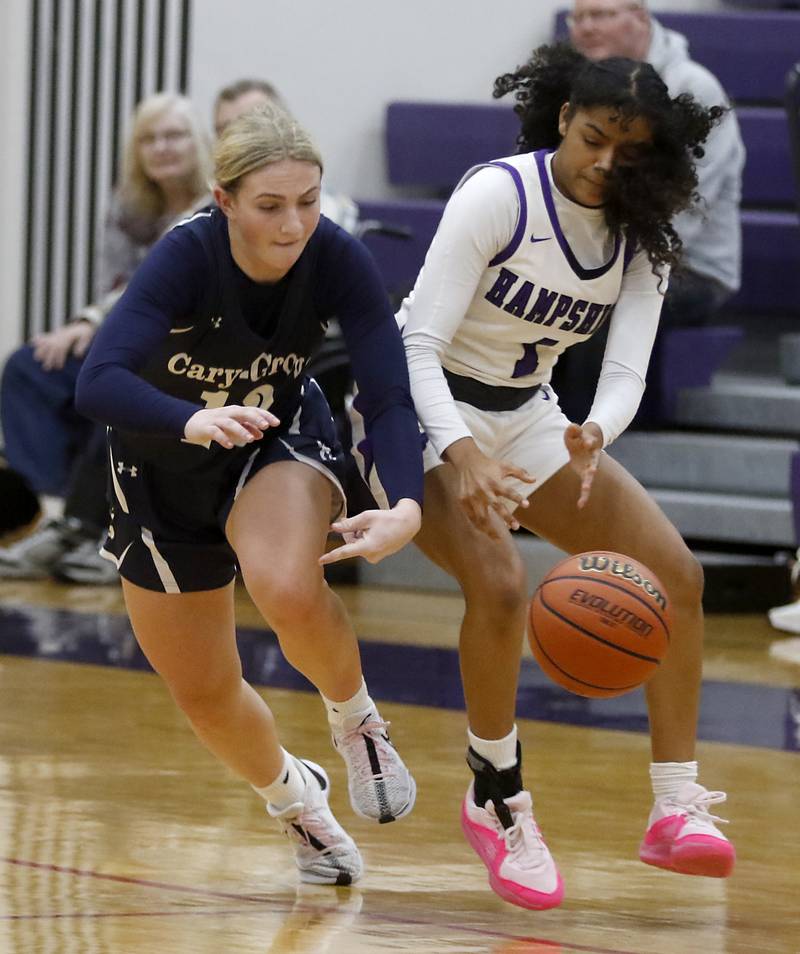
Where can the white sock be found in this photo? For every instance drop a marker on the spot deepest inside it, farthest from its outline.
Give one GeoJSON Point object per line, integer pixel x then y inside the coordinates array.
{"type": "Point", "coordinates": [288, 788]}
{"type": "Point", "coordinates": [502, 753]}
{"type": "Point", "coordinates": [340, 712]}
{"type": "Point", "coordinates": [667, 777]}
{"type": "Point", "coordinates": [52, 507]}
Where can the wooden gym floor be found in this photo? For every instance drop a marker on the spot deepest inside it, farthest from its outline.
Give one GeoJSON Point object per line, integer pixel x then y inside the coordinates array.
{"type": "Point", "coordinates": [119, 834]}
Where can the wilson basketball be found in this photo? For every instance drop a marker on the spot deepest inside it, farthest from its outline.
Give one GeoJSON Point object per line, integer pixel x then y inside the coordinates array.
{"type": "Point", "coordinates": [599, 623]}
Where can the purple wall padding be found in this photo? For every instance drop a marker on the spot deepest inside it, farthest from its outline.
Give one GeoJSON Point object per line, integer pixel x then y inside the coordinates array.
{"type": "Point", "coordinates": [770, 257]}
{"type": "Point", "coordinates": [794, 493]}
{"type": "Point", "coordinates": [690, 356]}
{"type": "Point", "coordinates": [768, 178]}
{"type": "Point", "coordinates": [433, 144]}
{"type": "Point", "coordinates": [401, 259]}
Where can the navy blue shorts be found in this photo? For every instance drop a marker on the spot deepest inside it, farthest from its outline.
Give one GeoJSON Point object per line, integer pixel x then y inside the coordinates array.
{"type": "Point", "coordinates": [167, 530]}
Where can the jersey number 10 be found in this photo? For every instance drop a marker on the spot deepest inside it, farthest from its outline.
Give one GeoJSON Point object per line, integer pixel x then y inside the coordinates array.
{"type": "Point", "coordinates": [259, 397]}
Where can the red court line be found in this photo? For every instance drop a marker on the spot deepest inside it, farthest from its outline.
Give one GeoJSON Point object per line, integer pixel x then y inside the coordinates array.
{"type": "Point", "coordinates": [280, 905]}
{"type": "Point", "coordinates": [141, 882]}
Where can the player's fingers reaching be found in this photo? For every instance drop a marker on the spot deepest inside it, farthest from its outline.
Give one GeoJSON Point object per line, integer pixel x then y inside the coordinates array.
{"type": "Point", "coordinates": [237, 432]}
{"type": "Point", "coordinates": [375, 534]}
{"type": "Point", "coordinates": [481, 515]}
{"type": "Point", "coordinates": [216, 434]}
{"type": "Point", "coordinates": [253, 415]}
{"type": "Point", "coordinates": [345, 552]}
{"type": "Point", "coordinates": [584, 445]}
{"type": "Point", "coordinates": [507, 490]}
{"type": "Point", "coordinates": [353, 527]}
{"type": "Point", "coordinates": [232, 426]}
{"type": "Point", "coordinates": [587, 479]}
{"type": "Point", "coordinates": [486, 489]}
{"type": "Point", "coordinates": [511, 470]}
{"type": "Point", "coordinates": [482, 499]}
{"type": "Point", "coordinates": [506, 515]}
{"type": "Point", "coordinates": [474, 504]}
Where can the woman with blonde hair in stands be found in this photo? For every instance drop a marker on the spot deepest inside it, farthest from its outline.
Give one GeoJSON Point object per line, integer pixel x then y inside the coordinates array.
{"type": "Point", "coordinates": [164, 174]}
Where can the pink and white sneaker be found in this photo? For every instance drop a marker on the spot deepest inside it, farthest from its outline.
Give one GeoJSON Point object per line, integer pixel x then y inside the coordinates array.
{"type": "Point", "coordinates": [508, 841]}
{"type": "Point", "coordinates": [681, 835]}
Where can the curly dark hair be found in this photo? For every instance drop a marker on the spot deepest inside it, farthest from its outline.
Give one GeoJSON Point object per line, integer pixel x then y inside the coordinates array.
{"type": "Point", "coordinates": [643, 197]}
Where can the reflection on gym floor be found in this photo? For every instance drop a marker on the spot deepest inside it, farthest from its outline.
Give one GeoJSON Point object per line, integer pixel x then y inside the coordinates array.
{"type": "Point", "coordinates": [120, 834]}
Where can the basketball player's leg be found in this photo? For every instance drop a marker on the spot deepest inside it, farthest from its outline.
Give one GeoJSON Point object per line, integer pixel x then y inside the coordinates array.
{"type": "Point", "coordinates": [492, 579]}
{"type": "Point", "coordinates": [278, 527]}
{"type": "Point", "coordinates": [497, 815]}
{"type": "Point", "coordinates": [621, 516]}
{"type": "Point", "coordinates": [189, 639]}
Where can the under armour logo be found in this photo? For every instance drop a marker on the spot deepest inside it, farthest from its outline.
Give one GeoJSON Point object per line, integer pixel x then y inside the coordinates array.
{"type": "Point", "coordinates": [133, 470]}
{"type": "Point", "coordinates": [216, 322]}
{"type": "Point", "coordinates": [545, 239]}
{"type": "Point", "coordinates": [325, 452]}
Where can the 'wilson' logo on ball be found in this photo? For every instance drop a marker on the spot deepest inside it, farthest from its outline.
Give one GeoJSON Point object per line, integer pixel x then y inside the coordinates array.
{"type": "Point", "coordinates": [609, 610]}
{"type": "Point", "coordinates": [602, 564]}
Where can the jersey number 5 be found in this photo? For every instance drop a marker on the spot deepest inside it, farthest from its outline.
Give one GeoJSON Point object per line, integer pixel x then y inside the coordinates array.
{"type": "Point", "coordinates": [529, 361]}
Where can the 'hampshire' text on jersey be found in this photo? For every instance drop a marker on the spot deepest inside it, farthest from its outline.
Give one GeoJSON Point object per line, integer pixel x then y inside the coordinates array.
{"type": "Point", "coordinates": [535, 299]}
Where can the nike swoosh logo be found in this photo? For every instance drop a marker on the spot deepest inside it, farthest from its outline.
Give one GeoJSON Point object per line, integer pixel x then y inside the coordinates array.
{"type": "Point", "coordinates": [545, 239]}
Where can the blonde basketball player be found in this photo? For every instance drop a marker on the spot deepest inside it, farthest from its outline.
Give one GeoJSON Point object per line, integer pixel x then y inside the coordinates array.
{"type": "Point", "coordinates": [223, 456]}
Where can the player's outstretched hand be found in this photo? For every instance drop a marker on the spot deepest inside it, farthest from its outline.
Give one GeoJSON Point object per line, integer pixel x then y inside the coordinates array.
{"type": "Point", "coordinates": [485, 488]}
{"type": "Point", "coordinates": [230, 426]}
{"type": "Point", "coordinates": [584, 445]}
{"type": "Point", "coordinates": [375, 534]}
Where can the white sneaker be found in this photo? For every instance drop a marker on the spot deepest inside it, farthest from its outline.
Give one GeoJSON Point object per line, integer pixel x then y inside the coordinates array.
{"type": "Point", "coordinates": [681, 835]}
{"type": "Point", "coordinates": [508, 841]}
{"type": "Point", "coordinates": [83, 564]}
{"type": "Point", "coordinates": [324, 852]}
{"type": "Point", "coordinates": [787, 650]}
{"type": "Point", "coordinates": [786, 618]}
{"type": "Point", "coordinates": [381, 787]}
{"type": "Point", "coordinates": [33, 557]}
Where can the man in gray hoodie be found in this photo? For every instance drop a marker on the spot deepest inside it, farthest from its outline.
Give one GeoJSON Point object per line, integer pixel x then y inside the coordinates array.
{"type": "Point", "coordinates": [710, 232]}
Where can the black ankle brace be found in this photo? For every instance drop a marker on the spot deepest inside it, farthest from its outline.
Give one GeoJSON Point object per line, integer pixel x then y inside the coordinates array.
{"type": "Point", "coordinates": [494, 785]}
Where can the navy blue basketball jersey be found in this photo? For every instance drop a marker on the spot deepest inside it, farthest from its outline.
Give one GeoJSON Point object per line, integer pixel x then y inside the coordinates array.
{"type": "Point", "coordinates": [218, 358]}
{"type": "Point", "coordinates": [194, 331]}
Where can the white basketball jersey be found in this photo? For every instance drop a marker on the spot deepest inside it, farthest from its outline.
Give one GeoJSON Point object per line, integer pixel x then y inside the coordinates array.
{"type": "Point", "coordinates": [535, 298]}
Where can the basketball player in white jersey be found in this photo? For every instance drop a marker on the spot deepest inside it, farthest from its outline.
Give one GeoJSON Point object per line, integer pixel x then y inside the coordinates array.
{"type": "Point", "coordinates": [533, 254]}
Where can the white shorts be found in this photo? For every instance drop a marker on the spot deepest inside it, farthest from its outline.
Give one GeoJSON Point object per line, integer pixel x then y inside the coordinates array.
{"type": "Point", "coordinates": [531, 437]}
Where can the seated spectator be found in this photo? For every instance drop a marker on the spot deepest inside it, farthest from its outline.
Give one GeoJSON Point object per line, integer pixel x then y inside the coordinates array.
{"type": "Point", "coordinates": [711, 233]}
{"type": "Point", "coordinates": [59, 453]}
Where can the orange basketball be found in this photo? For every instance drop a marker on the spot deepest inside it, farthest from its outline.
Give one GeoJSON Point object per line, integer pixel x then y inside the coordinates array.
{"type": "Point", "coordinates": [599, 623]}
